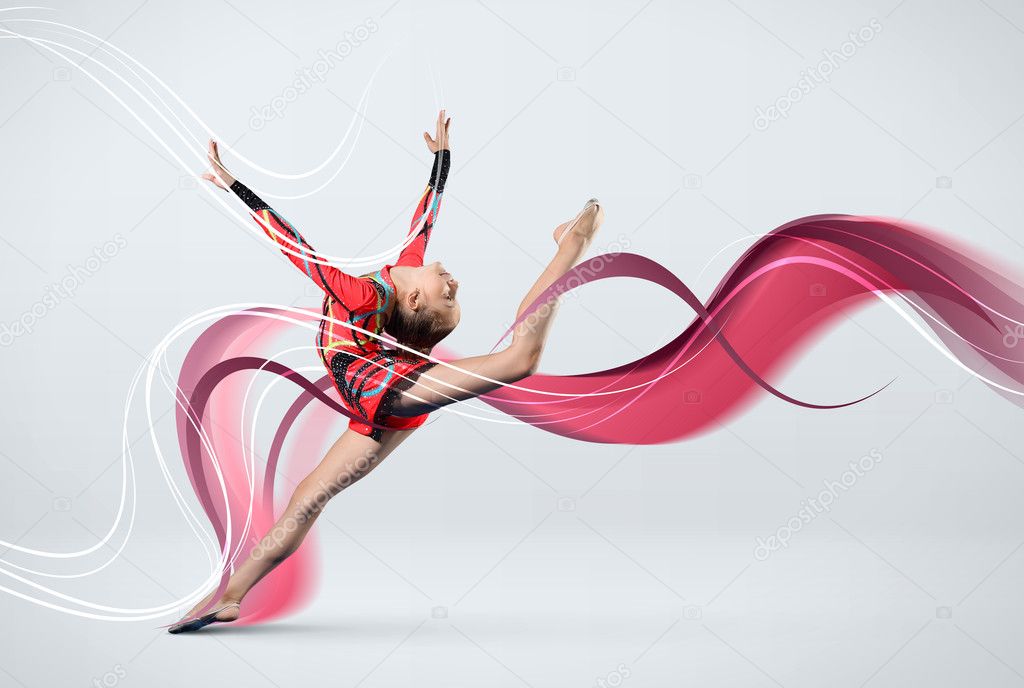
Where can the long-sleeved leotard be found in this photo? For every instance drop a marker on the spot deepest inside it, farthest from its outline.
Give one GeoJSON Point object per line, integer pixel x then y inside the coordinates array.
{"type": "Point", "coordinates": [368, 374]}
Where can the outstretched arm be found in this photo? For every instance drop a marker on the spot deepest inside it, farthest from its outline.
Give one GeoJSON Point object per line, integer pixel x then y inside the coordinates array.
{"type": "Point", "coordinates": [427, 208]}
{"type": "Point", "coordinates": [350, 291]}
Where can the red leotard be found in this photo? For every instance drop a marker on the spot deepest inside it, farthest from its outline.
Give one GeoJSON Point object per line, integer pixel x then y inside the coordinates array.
{"type": "Point", "coordinates": [368, 374]}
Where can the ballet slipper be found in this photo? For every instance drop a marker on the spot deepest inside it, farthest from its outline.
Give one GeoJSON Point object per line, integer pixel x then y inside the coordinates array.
{"type": "Point", "coordinates": [195, 623]}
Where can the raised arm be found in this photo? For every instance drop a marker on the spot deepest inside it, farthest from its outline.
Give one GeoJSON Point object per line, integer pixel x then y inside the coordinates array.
{"type": "Point", "coordinates": [427, 207]}
{"type": "Point", "coordinates": [351, 292]}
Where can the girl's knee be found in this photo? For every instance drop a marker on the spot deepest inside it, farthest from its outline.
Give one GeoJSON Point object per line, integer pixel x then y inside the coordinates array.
{"type": "Point", "coordinates": [310, 498]}
{"type": "Point", "coordinates": [524, 362]}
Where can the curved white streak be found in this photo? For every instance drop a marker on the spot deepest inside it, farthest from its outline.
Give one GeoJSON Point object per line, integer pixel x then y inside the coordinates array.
{"type": "Point", "coordinates": [268, 194]}
{"type": "Point", "coordinates": [319, 258]}
{"type": "Point", "coordinates": [137, 613]}
{"type": "Point", "coordinates": [128, 467]}
{"type": "Point", "coordinates": [307, 324]}
{"type": "Point", "coordinates": [195, 320]}
{"type": "Point", "coordinates": [110, 532]}
{"type": "Point", "coordinates": [205, 127]}
{"type": "Point", "coordinates": [922, 311]}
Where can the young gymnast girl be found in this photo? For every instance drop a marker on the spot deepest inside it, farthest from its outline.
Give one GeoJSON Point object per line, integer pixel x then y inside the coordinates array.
{"type": "Point", "coordinates": [389, 389]}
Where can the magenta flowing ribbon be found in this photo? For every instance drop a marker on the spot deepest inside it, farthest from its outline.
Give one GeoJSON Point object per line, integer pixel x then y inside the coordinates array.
{"type": "Point", "coordinates": [790, 286]}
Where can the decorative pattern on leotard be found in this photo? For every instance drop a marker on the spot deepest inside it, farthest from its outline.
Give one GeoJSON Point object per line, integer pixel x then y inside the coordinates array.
{"type": "Point", "coordinates": [368, 374]}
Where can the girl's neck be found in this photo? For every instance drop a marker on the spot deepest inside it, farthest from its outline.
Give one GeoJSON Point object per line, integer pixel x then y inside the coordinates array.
{"type": "Point", "coordinates": [400, 277]}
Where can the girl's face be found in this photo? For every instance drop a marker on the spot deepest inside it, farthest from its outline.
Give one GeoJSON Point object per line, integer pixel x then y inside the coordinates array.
{"type": "Point", "coordinates": [438, 290]}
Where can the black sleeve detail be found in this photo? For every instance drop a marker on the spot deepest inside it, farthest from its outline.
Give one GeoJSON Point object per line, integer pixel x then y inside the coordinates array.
{"type": "Point", "coordinates": [248, 197]}
{"type": "Point", "coordinates": [439, 173]}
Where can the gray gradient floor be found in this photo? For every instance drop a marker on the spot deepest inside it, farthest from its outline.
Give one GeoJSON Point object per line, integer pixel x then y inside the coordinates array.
{"type": "Point", "coordinates": [494, 554]}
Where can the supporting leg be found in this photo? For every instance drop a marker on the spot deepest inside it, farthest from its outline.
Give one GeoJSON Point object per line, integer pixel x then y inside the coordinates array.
{"type": "Point", "coordinates": [351, 458]}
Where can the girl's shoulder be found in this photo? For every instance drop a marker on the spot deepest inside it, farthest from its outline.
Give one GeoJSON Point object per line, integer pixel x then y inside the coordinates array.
{"type": "Point", "coordinates": [382, 284]}
{"type": "Point", "coordinates": [375, 311]}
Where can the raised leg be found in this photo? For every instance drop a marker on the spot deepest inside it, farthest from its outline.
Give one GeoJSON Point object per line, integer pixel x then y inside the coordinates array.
{"type": "Point", "coordinates": [441, 385]}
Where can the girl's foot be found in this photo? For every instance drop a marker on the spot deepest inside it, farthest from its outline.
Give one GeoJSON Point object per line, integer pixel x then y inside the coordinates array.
{"type": "Point", "coordinates": [222, 613]}
{"type": "Point", "coordinates": [584, 225]}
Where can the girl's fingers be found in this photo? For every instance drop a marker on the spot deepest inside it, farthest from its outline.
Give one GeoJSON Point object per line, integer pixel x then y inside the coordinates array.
{"type": "Point", "coordinates": [216, 182]}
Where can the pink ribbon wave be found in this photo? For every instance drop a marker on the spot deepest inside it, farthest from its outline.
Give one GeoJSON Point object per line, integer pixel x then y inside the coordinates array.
{"type": "Point", "coordinates": [790, 286]}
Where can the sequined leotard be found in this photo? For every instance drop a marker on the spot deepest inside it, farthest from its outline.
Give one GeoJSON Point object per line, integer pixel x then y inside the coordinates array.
{"type": "Point", "coordinates": [367, 373]}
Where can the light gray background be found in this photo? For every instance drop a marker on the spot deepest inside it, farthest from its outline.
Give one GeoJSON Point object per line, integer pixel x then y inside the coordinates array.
{"type": "Point", "coordinates": [913, 579]}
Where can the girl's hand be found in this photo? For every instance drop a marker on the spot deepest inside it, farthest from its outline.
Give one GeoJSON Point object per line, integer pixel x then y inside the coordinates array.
{"type": "Point", "coordinates": [440, 140]}
{"type": "Point", "coordinates": [219, 175]}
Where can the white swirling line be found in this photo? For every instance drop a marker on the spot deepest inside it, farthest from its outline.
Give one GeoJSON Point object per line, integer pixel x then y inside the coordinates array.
{"type": "Point", "coordinates": [200, 531]}
{"type": "Point", "coordinates": [290, 246]}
